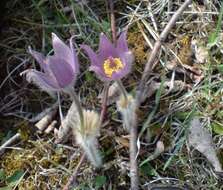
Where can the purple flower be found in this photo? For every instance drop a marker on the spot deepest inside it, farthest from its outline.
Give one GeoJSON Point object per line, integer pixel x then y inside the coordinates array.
{"type": "Point", "coordinates": [59, 71]}
{"type": "Point", "coordinates": [112, 62]}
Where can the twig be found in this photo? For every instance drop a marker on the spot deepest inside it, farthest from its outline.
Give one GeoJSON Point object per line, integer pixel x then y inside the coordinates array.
{"type": "Point", "coordinates": [72, 180]}
{"type": "Point", "coordinates": [145, 76]}
{"type": "Point", "coordinates": [44, 122]}
{"type": "Point", "coordinates": [9, 142]}
{"type": "Point", "coordinates": [104, 103]}
{"type": "Point", "coordinates": [133, 158]}
{"type": "Point", "coordinates": [157, 46]}
{"type": "Point", "coordinates": [113, 29]}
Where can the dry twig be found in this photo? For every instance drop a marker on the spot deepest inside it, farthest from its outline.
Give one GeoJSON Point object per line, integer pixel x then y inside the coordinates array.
{"type": "Point", "coordinates": [9, 142]}
{"type": "Point", "coordinates": [72, 180]}
{"type": "Point", "coordinates": [157, 46]}
{"type": "Point", "coordinates": [145, 76]}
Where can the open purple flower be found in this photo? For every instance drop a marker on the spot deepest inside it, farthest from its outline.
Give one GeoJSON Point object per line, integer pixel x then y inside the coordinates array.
{"type": "Point", "coordinates": [59, 71]}
{"type": "Point", "coordinates": [112, 62]}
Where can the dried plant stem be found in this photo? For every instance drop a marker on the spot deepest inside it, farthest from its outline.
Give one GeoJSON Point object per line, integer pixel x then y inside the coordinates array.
{"type": "Point", "coordinates": [133, 156]}
{"type": "Point", "coordinates": [72, 180]}
{"type": "Point", "coordinates": [122, 89]}
{"type": "Point", "coordinates": [104, 102]}
{"type": "Point", "coordinates": [113, 28]}
{"type": "Point", "coordinates": [9, 142]}
{"type": "Point", "coordinates": [145, 76]}
{"type": "Point", "coordinates": [157, 46]}
{"type": "Point", "coordinates": [79, 107]}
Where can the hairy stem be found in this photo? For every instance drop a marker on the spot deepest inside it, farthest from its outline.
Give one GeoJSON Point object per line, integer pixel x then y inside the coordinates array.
{"type": "Point", "coordinates": [122, 89]}
{"type": "Point", "coordinates": [104, 102]}
{"type": "Point", "coordinates": [92, 152]}
{"type": "Point", "coordinates": [79, 107]}
{"type": "Point", "coordinates": [133, 157]}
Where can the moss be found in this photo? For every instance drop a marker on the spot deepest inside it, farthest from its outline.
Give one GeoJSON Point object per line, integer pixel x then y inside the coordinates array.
{"type": "Point", "coordinates": [137, 42]}
{"type": "Point", "coordinates": [185, 51]}
{"type": "Point", "coordinates": [36, 156]}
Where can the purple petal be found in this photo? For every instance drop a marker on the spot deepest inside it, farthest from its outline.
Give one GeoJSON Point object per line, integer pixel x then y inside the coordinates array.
{"type": "Point", "coordinates": [127, 59]}
{"type": "Point", "coordinates": [122, 73]}
{"type": "Point", "coordinates": [42, 80]}
{"type": "Point", "coordinates": [99, 73]}
{"type": "Point", "coordinates": [122, 44]}
{"type": "Point", "coordinates": [74, 63]}
{"type": "Point", "coordinates": [39, 57]}
{"type": "Point", "coordinates": [106, 48]}
{"type": "Point", "coordinates": [91, 54]}
{"type": "Point", "coordinates": [61, 70]}
{"type": "Point", "coordinates": [59, 47]}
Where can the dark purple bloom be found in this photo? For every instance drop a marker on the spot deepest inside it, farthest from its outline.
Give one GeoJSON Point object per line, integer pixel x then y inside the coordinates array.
{"type": "Point", "coordinates": [112, 62]}
{"type": "Point", "coordinates": [59, 71]}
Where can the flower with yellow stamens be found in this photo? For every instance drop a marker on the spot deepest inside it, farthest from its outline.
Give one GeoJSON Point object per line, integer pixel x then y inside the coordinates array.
{"type": "Point", "coordinates": [112, 61]}
{"type": "Point", "coordinates": [112, 65]}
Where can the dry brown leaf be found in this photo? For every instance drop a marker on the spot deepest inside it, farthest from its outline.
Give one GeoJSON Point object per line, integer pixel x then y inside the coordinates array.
{"type": "Point", "coordinates": [193, 72]}
{"type": "Point", "coordinates": [169, 86]}
{"type": "Point", "coordinates": [122, 141]}
{"type": "Point", "coordinates": [200, 52]}
{"type": "Point", "coordinates": [200, 138]}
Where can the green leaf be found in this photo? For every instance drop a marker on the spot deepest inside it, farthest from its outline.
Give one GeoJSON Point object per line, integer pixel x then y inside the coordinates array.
{"type": "Point", "coordinates": [214, 36]}
{"type": "Point", "coordinates": [220, 68]}
{"type": "Point", "coordinates": [2, 175]}
{"type": "Point", "coordinates": [100, 181]}
{"type": "Point", "coordinates": [89, 77]}
{"type": "Point", "coordinates": [15, 177]}
{"type": "Point", "coordinates": [213, 39]}
{"type": "Point", "coordinates": [217, 128]}
{"type": "Point", "coordinates": [6, 188]}
{"type": "Point", "coordinates": [148, 170]}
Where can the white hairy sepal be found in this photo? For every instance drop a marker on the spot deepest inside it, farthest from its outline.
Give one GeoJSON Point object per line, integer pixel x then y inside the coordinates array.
{"type": "Point", "coordinates": [86, 136]}
{"type": "Point", "coordinates": [90, 147]}
{"type": "Point", "coordinates": [127, 108]}
{"type": "Point", "coordinates": [31, 77]}
{"type": "Point", "coordinates": [72, 120]}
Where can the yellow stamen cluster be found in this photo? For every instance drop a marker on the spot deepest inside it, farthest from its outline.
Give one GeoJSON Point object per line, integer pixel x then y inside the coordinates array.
{"type": "Point", "coordinates": [111, 66]}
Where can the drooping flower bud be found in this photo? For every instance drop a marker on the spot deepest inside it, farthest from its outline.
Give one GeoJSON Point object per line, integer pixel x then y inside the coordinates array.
{"type": "Point", "coordinates": [59, 71]}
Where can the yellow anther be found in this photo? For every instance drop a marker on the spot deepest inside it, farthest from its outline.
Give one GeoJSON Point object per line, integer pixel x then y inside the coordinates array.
{"type": "Point", "coordinates": [112, 65]}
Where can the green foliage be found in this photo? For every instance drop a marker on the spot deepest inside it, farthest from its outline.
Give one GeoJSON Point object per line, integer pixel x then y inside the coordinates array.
{"type": "Point", "coordinates": [100, 181]}
{"type": "Point", "coordinates": [220, 68]}
{"type": "Point", "coordinates": [151, 115]}
{"type": "Point", "coordinates": [89, 77]}
{"type": "Point", "coordinates": [148, 170]}
{"type": "Point", "coordinates": [11, 181]}
{"type": "Point", "coordinates": [2, 175]}
{"type": "Point", "coordinates": [214, 36]}
{"type": "Point", "coordinates": [6, 137]}
{"type": "Point", "coordinates": [217, 128]}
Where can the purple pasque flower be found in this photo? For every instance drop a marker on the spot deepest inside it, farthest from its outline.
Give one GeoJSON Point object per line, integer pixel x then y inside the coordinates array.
{"type": "Point", "coordinates": [59, 71]}
{"type": "Point", "coordinates": [112, 62]}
